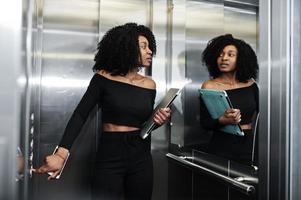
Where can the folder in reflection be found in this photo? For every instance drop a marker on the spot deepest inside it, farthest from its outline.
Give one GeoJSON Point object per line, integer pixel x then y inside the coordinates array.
{"type": "Point", "coordinates": [217, 102]}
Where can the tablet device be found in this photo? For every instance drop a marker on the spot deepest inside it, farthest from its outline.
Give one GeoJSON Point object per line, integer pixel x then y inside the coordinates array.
{"type": "Point", "coordinates": [164, 103]}
{"type": "Point", "coordinates": [59, 175]}
{"type": "Point", "coordinates": [217, 102]}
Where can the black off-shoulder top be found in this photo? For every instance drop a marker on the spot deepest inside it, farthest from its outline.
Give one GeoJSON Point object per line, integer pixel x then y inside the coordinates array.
{"type": "Point", "coordinates": [121, 103]}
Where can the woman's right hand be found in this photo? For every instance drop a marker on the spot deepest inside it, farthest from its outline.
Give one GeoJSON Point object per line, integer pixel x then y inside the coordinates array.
{"type": "Point", "coordinates": [230, 116]}
{"type": "Point", "coordinates": [53, 163]}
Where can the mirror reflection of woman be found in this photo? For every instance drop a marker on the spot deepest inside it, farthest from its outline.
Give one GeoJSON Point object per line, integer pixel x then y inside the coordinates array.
{"type": "Point", "coordinates": [233, 67]}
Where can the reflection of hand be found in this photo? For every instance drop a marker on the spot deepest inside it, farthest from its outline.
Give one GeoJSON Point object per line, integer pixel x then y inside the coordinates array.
{"type": "Point", "coordinates": [162, 116]}
{"type": "Point", "coordinates": [20, 163]}
{"type": "Point", "coordinates": [230, 116]}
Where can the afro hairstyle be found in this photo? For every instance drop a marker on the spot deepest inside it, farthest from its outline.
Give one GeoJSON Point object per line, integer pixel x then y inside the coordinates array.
{"type": "Point", "coordinates": [118, 51]}
{"type": "Point", "coordinates": [246, 63]}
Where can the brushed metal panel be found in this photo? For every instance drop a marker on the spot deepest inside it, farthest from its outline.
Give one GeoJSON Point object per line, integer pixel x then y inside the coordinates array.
{"type": "Point", "coordinates": [160, 63]}
{"type": "Point", "coordinates": [279, 112]}
{"type": "Point", "coordinates": [244, 2]}
{"type": "Point", "coordinates": [178, 72]}
{"type": "Point", "coordinates": [117, 12]}
{"type": "Point", "coordinates": [65, 42]}
{"type": "Point", "coordinates": [242, 22]}
{"type": "Point", "coordinates": [71, 15]}
{"type": "Point", "coordinates": [295, 108]}
{"type": "Point", "coordinates": [264, 56]}
{"type": "Point", "coordinates": [204, 20]}
{"type": "Point", "coordinates": [11, 84]}
{"type": "Point", "coordinates": [275, 99]}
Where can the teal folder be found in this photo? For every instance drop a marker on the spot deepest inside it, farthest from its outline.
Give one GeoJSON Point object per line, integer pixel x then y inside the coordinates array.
{"type": "Point", "coordinates": [217, 102]}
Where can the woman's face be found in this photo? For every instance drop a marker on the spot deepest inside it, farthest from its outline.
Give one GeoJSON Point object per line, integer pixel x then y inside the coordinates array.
{"type": "Point", "coordinates": [145, 52]}
{"type": "Point", "coordinates": [226, 61]}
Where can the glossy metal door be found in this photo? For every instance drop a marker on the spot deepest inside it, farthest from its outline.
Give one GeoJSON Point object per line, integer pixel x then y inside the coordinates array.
{"type": "Point", "coordinates": [12, 85]}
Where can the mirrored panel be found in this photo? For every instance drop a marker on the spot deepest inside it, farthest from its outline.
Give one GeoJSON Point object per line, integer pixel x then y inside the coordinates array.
{"type": "Point", "coordinates": [206, 20]}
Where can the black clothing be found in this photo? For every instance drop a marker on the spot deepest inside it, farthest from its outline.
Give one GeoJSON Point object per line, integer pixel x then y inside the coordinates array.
{"type": "Point", "coordinates": [238, 148]}
{"type": "Point", "coordinates": [123, 167]}
{"type": "Point", "coordinates": [245, 99]}
{"type": "Point", "coordinates": [121, 103]}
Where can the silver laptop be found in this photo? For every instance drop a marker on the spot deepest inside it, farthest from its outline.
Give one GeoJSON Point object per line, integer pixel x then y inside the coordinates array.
{"type": "Point", "coordinates": [164, 103]}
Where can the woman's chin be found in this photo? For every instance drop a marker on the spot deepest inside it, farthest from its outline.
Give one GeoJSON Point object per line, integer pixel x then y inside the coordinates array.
{"type": "Point", "coordinates": [146, 65]}
{"type": "Point", "coordinates": [225, 70]}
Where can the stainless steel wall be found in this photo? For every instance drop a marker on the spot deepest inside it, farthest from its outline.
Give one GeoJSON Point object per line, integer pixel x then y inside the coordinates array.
{"type": "Point", "coordinates": [204, 20]}
{"type": "Point", "coordinates": [280, 100]}
{"type": "Point", "coordinates": [12, 86]}
{"type": "Point", "coordinates": [58, 44]}
{"type": "Point", "coordinates": [294, 102]}
{"type": "Point", "coordinates": [159, 21]}
{"type": "Point", "coordinates": [63, 41]}
{"type": "Point", "coordinates": [65, 38]}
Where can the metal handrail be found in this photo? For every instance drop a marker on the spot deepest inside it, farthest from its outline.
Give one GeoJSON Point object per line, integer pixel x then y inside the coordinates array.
{"type": "Point", "coordinates": [246, 188]}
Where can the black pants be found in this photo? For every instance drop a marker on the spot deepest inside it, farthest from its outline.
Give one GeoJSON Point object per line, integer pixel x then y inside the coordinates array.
{"type": "Point", "coordinates": [236, 148]}
{"type": "Point", "coordinates": [123, 168]}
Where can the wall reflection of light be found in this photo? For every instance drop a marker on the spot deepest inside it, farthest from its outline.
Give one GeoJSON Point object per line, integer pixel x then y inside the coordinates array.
{"type": "Point", "coordinates": [68, 56]}
{"type": "Point", "coordinates": [21, 81]}
{"type": "Point", "coordinates": [180, 84]}
{"type": "Point", "coordinates": [59, 82]}
{"type": "Point", "coordinates": [7, 20]}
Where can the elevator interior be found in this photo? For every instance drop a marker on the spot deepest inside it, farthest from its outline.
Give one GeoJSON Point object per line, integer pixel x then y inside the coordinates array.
{"type": "Point", "coordinates": [50, 45]}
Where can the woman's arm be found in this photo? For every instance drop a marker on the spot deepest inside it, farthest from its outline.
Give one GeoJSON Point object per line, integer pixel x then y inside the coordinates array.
{"type": "Point", "coordinates": [55, 162]}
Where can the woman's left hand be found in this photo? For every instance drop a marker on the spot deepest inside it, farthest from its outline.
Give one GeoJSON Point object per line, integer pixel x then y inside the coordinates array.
{"type": "Point", "coordinates": [162, 116]}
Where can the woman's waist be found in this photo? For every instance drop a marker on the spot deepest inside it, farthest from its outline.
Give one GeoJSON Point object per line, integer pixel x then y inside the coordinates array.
{"type": "Point", "coordinates": [122, 136]}
{"type": "Point", "coordinates": [111, 128]}
{"type": "Point", "coordinates": [246, 126]}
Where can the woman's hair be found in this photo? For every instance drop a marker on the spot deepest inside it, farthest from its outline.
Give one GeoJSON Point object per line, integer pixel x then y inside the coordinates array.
{"type": "Point", "coordinates": [118, 51]}
{"type": "Point", "coordinates": [246, 63]}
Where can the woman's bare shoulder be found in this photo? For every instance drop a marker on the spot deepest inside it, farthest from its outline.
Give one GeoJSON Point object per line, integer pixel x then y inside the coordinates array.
{"type": "Point", "coordinates": [209, 84]}
{"type": "Point", "coordinates": [104, 73]}
{"type": "Point", "coordinates": [148, 82]}
{"type": "Point", "coordinates": [249, 82]}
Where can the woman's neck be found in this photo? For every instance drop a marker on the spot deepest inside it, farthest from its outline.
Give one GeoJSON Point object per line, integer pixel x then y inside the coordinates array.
{"type": "Point", "coordinates": [131, 75]}
{"type": "Point", "coordinates": [229, 78]}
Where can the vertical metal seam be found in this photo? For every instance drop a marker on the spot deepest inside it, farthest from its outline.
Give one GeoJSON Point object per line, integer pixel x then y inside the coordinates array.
{"type": "Point", "coordinates": [97, 124]}
{"type": "Point", "coordinates": [99, 24]}
{"type": "Point", "coordinates": [149, 23]}
{"type": "Point", "coordinates": [290, 93]}
{"type": "Point", "coordinates": [269, 100]}
{"type": "Point", "coordinates": [149, 17]}
{"type": "Point", "coordinates": [37, 76]}
{"type": "Point", "coordinates": [28, 88]}
{"type": "Point", "coordinates": [168, 64]}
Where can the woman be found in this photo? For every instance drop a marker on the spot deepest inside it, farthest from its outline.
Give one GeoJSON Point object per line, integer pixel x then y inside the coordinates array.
{"type": "Point", "coordinates": [123, 166]}
{"type": "Point", "coordinates": [233, 66]}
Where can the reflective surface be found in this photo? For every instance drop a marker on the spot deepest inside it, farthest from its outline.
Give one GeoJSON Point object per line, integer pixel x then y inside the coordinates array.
{"type": "Point", "coordinates": [12, 87]}
{"type": "Point", "coordinates": [65, 38]}
{"type": "Point", "coordinates": [46, 70]}
{"type": "Point", "coordinates": [295, 125]}
{"type": "Point", "coordinates": [280, 100]}
{"type": "Point", "coordinates": [189, 141]}
{"type": "Point", "coordinates": [204, 21]}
